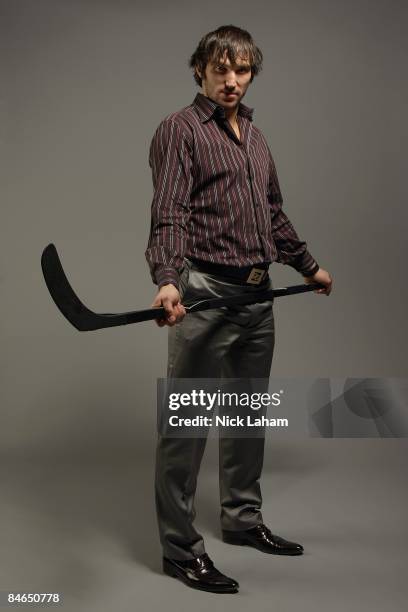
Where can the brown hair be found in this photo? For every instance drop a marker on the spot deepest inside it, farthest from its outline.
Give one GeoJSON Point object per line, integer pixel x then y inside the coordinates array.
{"type": "Point", "coordinates": [235, 41]}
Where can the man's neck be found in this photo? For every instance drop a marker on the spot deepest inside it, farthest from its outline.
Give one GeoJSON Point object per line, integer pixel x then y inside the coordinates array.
{"type": "Point", "coordinates": [231, 114]}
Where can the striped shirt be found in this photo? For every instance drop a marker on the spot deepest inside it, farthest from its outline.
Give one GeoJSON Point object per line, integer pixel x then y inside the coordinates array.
{"type": "Point", "coordinates": [216, 196]}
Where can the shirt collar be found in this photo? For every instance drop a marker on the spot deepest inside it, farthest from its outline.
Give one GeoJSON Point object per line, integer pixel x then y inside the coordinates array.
{"type": "Point", "coordinates": [207, 108]}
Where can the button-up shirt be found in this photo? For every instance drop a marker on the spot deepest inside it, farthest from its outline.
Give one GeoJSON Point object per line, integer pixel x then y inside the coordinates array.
{"type": "Point", "coordinates": [216, 196]}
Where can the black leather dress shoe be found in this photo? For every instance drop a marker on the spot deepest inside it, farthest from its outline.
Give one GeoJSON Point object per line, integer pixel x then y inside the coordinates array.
{"type": "Point", "coordinates": [261, 538]}
{"type": "Point", "coordinates": [200, 573]}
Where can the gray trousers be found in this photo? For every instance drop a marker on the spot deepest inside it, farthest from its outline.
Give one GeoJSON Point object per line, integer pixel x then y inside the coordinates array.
{"type": "Point", "coordinates": [233, 342]}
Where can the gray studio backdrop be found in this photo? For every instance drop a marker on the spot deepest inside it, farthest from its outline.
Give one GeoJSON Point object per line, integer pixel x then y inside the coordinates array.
{"type": "Point", "coordinates": [84, 86]}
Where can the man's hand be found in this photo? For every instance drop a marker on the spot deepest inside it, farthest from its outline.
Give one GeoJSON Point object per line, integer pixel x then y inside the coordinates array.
{"type": "Point", "coordinates": [323, 277]}
{"type": "Point", "coordinates": [169, 297]}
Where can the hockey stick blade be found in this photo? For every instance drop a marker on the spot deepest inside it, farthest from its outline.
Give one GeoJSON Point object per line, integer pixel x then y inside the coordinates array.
{"type": "Point", "coordinates": [84, 319]}
{"type": "Point", "coordinates": [69, 304]}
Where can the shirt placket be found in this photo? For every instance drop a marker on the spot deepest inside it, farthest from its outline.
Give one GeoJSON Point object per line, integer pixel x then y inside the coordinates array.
{"type": "Point", "coordinates": [244, 145]}
{"type": "Point", "coordinates": [255, 201]}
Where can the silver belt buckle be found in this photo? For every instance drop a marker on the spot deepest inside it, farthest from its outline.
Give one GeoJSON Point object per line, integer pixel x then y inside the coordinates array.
{"type": "Point", "coordinates": [256, 276]}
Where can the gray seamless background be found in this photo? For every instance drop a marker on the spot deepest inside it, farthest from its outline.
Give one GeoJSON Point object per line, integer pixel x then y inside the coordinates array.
{"type": "Point", "coordinates": [84, 86]}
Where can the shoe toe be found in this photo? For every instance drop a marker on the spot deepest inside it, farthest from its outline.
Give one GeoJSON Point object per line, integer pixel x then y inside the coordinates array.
{"type": "Point", "coordinates": [223, 581]}
{"type": "Point", "coordinates": [229, 582]}
{"type": "Point", "coordinates": [295, 548]}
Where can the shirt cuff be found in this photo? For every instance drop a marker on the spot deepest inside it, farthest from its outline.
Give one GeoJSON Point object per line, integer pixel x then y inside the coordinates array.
{"type": "Point", "coordinates": [167, 276]}
{"type": "Point", "coordinates": [305, 264]}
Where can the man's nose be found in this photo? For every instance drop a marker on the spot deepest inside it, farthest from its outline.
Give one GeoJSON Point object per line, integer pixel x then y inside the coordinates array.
{"type": "Point", "coordinates": [230, 83]}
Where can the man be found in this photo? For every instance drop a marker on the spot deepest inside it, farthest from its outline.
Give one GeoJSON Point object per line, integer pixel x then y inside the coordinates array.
{"type": "Point", "coordinates": [217, 224]}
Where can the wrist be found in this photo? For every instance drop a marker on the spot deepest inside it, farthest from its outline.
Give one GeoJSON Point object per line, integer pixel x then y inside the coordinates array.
{"type": "Point", "coordinates": [312, 272]}
{"type": "Point", "coordinates": [167, 285]}
{"type": "Point", "coordinates": [167, 276]}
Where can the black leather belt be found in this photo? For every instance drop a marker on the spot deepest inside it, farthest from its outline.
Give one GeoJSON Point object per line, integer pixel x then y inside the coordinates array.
{"type": "Point", "coordinates": [245, 275]}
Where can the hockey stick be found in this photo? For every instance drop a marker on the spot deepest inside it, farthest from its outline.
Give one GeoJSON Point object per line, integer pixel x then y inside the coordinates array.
{"type": "Point", "coordinates": [86, 320]}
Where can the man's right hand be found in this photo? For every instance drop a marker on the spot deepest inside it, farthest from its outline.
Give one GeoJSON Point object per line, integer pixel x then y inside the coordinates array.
{"type": "Point", "coordinates": [169, 297]}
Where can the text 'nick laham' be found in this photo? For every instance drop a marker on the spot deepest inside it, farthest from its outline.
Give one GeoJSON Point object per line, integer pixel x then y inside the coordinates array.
{"type": "Point", "coordinates": [227, 421]}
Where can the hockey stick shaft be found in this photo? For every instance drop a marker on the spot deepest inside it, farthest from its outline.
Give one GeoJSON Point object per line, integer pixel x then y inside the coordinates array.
{"type": "Point", "coordinates": [84, 319]}
{"type": "Point", "coordinates": [212, 303]}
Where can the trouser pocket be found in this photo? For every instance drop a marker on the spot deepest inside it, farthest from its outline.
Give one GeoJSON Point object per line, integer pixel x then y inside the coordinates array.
{"type": "Point", "coordinates": [184, 278]}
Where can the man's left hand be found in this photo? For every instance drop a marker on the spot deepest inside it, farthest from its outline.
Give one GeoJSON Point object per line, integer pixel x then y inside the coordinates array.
{"type": "Point", "coordinates": [323, 277]}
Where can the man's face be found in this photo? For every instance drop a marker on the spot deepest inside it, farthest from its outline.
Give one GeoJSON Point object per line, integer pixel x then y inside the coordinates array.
{"type": "Point", "coordinates": [226, 83]}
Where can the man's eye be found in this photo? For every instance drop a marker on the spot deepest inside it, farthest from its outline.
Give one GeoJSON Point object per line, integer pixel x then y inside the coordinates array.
{"type": "Point", "coordinates": [242, 70]}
